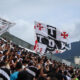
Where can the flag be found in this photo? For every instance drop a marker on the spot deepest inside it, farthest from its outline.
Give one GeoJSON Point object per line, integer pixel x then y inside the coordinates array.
{"type": "Point", "coordinates": [62, 35]}
{"type": "Point", "coordinates": [4, 25]}
{"type": "Point", "coordinates": [63, 48]}
{"type": "Point", "coordinates": [49, 39]}
{"type": "Point", "coordinates": [40, 28]}
{"type": "Point", "coordinates": [45, 30]}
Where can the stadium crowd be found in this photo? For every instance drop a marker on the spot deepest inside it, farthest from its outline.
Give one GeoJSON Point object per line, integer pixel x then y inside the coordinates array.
{"type": "Point", "coordinates": [17, 63]}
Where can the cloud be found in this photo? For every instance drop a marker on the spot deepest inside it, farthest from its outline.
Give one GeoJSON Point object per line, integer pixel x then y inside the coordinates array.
{"type": "Point", "coordinates": [24, 30]}
{"type": "Point", "coordinates": [77, 32]}
{"type": "Point", "coordinates": [58, 13]}
{"type": "Point", "coordinates": [73, 30]}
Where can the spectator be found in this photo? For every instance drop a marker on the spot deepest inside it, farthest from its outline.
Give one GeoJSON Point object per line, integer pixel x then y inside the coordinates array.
{"type": "Point", "coordinates": [4, 72]}
{"type": "Point", "coordinates": [18, 67]}
{"type": "Point", "coordinates": [26, 65]}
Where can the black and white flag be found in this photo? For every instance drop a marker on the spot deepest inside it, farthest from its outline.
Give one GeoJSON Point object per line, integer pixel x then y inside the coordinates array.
{"type": "Point", "coordinates": [49, 39]}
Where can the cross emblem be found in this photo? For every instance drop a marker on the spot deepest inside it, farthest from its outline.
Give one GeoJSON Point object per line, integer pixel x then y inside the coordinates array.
{"type": "Point", "coordinates": [57, 51]}
{"type": "Point", "coordinates": [40, 50]}
{"type": "Point", "coordinates": [64, 35]}
{"type": "Point", "coordinates": [39, 26]}
{"type": "Point", "coordinates": [34, 27]}
{"type": "Point", "coordinates": [35, 46]}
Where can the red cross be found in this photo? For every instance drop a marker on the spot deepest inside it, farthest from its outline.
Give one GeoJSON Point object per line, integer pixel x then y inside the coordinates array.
{"type": "Point", "coordinates": [36, 41]}
{"type": "Point", "coordinates": [35, 46]}
{"type": "Point", "coordinates": [39, 26]}
{"type": "Point", "coordinates": [34, 27]}
{"type": "Point", "coordinates": [64, 35]}
{"type": "Point", "coordinates": [57, 51]}
{"type": "Point", "coordinates": [40, 50]}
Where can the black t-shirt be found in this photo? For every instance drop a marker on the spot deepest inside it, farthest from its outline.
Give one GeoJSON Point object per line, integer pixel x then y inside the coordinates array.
{"type": "Point", "coordinates": [27, 75]}
{"type": "Point", "coordinates": [59, 76]}
{"type": "Point", "coordinates": [24, 75]}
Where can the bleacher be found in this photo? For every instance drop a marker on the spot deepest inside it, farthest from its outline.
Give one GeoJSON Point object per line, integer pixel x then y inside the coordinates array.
{"type": "Point", "coordinates": [17, 40]}
{"type": "Point", "coordinates": [17, 61]}
{"type": "Point", "coordinates": [29, 46]}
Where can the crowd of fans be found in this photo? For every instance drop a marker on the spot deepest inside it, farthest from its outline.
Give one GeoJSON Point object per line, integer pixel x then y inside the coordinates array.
{"type": "Point", "coordinates": [17, 63]}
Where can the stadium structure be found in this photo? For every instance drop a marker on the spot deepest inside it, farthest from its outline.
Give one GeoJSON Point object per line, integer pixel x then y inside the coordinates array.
{"type": "Point", "coordinates": [70, 60]}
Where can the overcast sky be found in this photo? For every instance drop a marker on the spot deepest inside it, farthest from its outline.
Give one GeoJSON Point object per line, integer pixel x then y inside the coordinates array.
{"type": "Point", "coordinates": [64, 14]}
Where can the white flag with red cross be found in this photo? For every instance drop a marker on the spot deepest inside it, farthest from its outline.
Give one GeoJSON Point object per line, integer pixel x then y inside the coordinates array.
{"type": "Point", "coordinates": [5, 25]}
{"type": "Point", "coordinates": [49, 39]}
{"type": "Point", "coordinates": [39, 47]}
{"type": "Point", "coordinates": [40, 28]}
{"type": "Point", "coordinates": [62, 36]}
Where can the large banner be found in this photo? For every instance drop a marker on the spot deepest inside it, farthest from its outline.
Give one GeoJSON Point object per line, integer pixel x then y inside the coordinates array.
{"type": "Point", "coordinates": [49, 39]}
{"type": "Point", "coordinates": [5, 25]}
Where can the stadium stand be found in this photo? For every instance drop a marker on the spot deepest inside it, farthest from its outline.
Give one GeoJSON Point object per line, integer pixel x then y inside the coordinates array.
{"type": "Point", "coordinates": [17, 41]}
{"type": "Point", "coordinates": [18, 63]}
